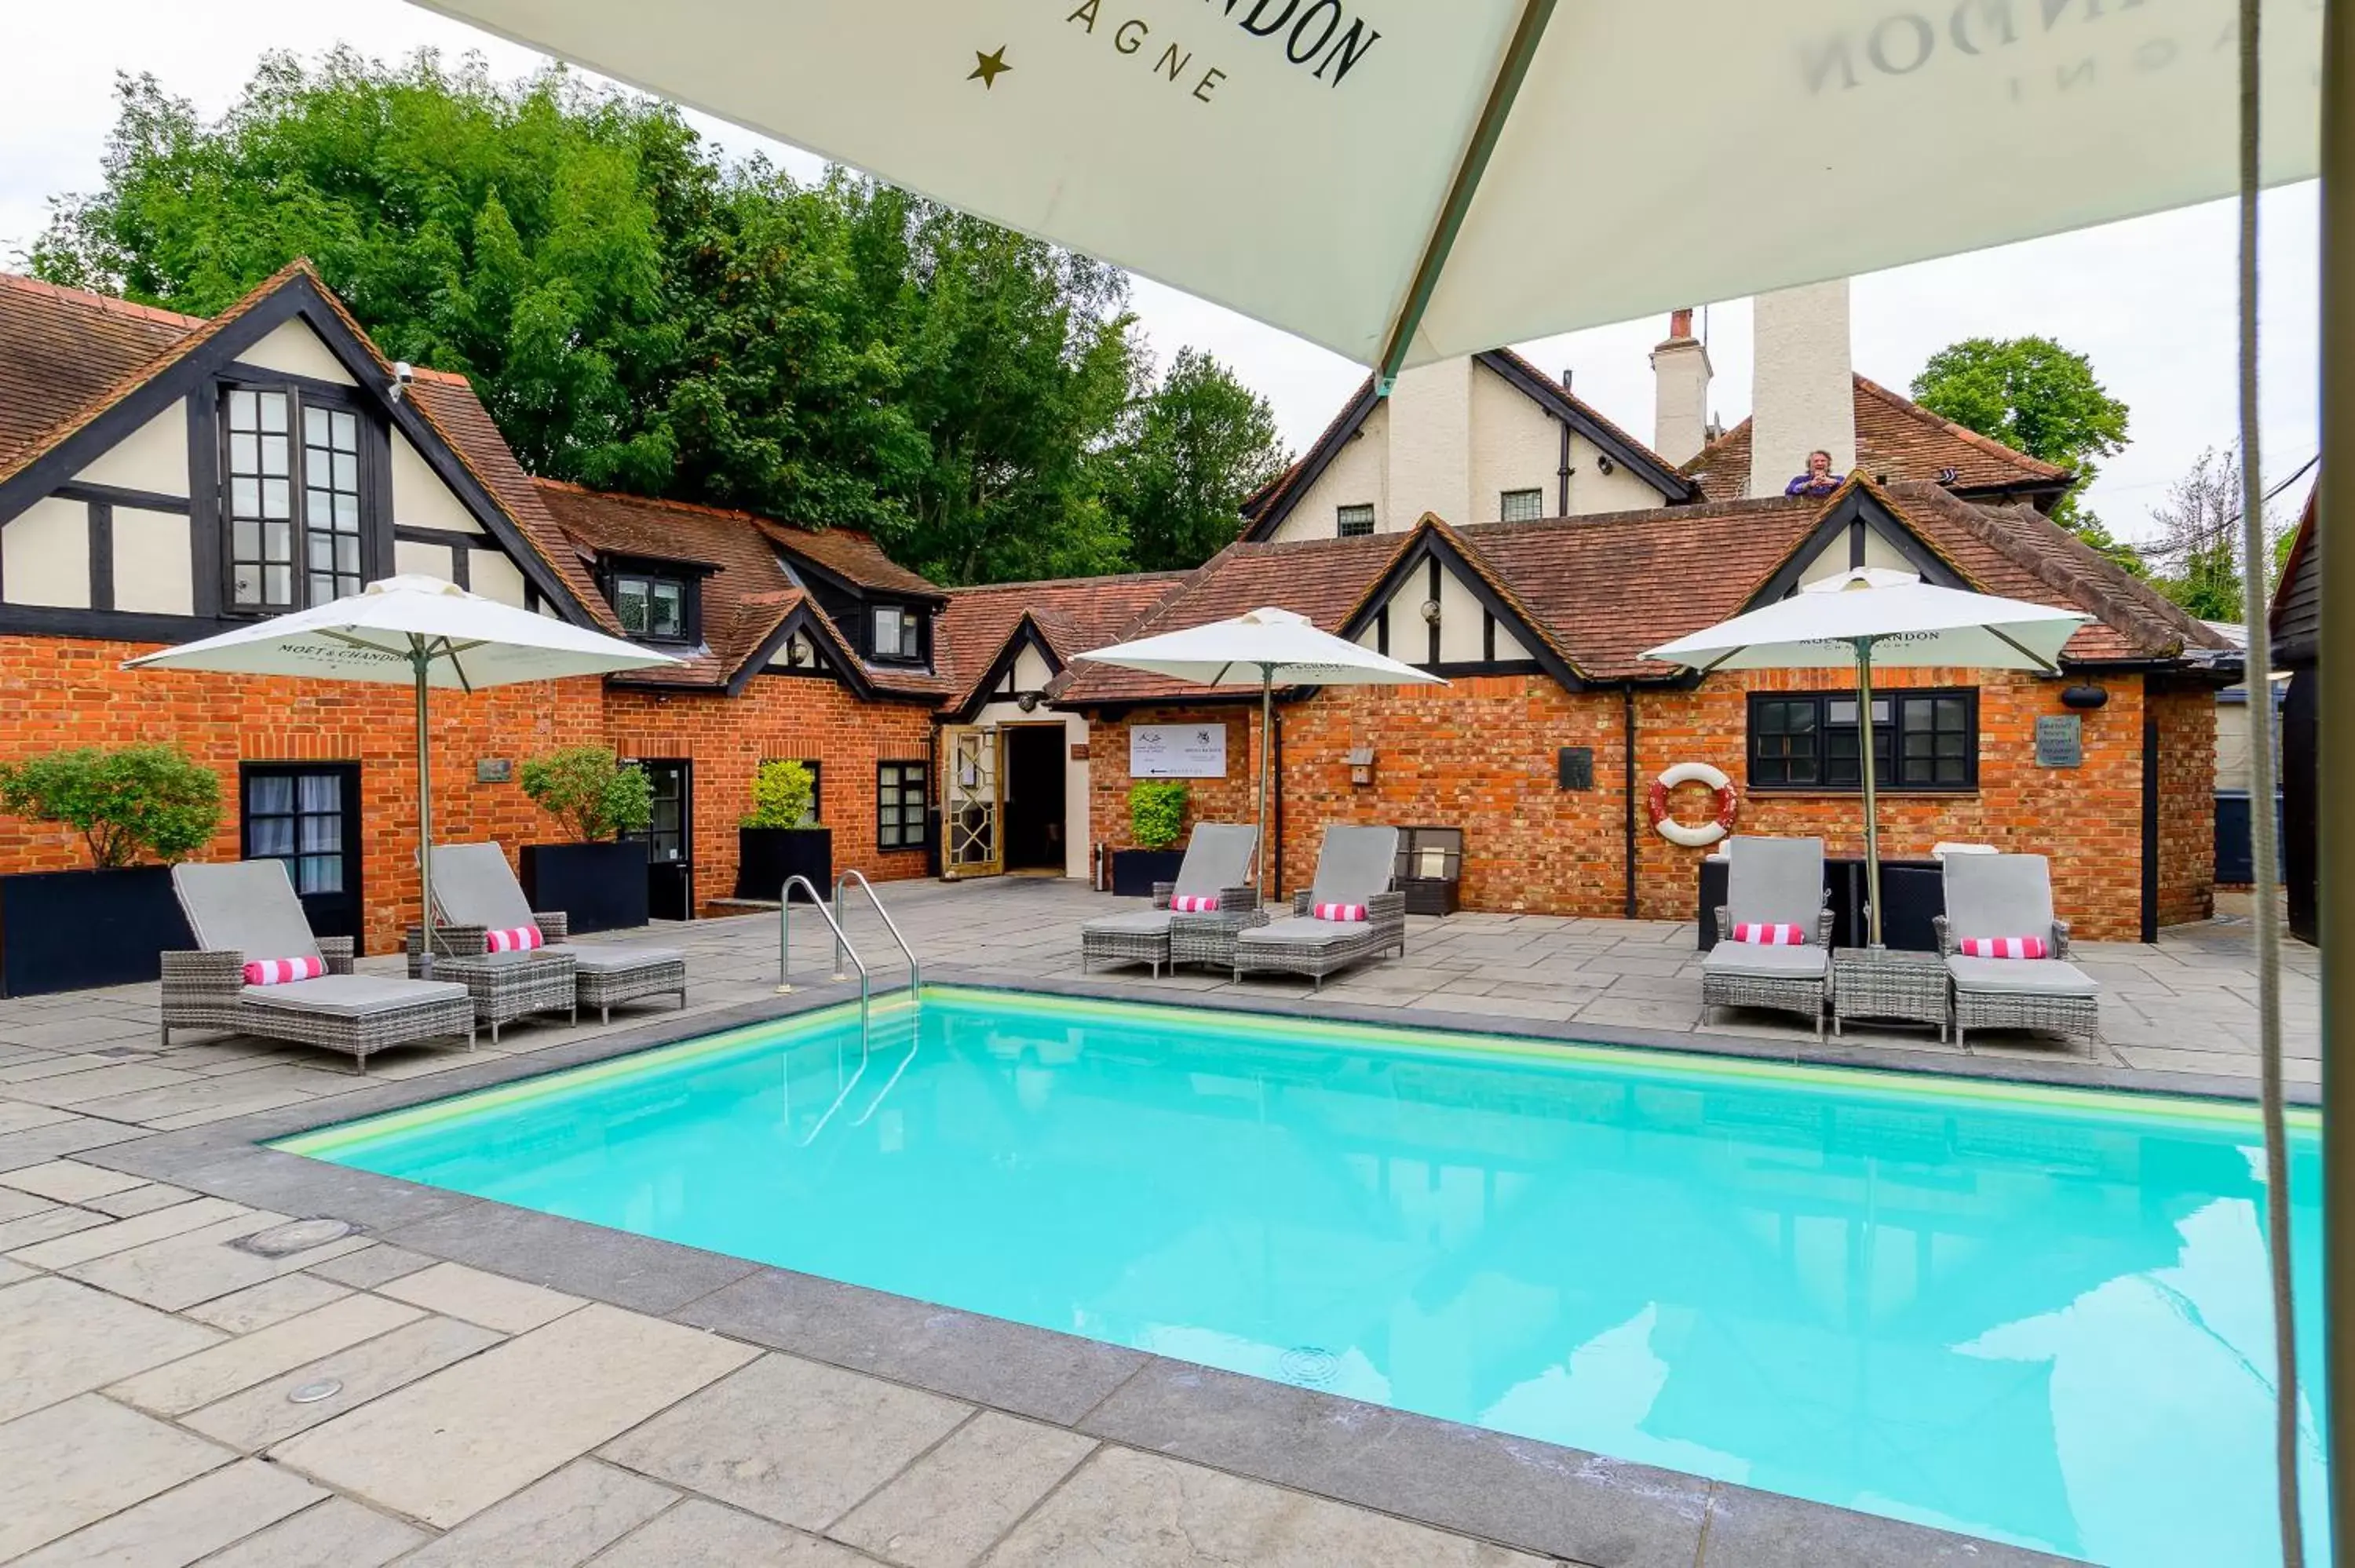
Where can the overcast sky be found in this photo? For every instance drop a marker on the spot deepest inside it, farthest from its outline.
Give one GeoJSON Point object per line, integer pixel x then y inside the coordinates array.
{"type": "Point", "coordinates": [2150, 301]}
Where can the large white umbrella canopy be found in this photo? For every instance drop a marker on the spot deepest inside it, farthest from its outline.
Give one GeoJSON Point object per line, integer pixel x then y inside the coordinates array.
{"type": "Point", "coordinates": [1872, 616]}
{"type": "Point", "coordinates": [1406, 180]}
{"type": "Point", "coordinates": [1266, 648]}
{"type": "Point", "coordinates": [416, 631]}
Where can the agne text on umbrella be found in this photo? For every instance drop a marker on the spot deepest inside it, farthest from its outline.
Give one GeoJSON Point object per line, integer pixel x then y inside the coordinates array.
{"type": "Point", "coordinates": [418, 631]}
{"type": "Point", "coordinates": [1266, 648]}
{"type": "Point", "coordinates": [1872, 616]}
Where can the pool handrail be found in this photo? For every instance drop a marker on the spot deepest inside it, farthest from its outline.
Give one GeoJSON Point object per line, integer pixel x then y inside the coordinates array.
{"type": "Point", "coordinates": [841, 946]}
{"type": "Point", "coordinates": [915, 972]}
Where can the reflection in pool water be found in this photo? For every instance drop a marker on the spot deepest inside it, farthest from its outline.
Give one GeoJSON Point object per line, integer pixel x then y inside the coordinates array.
{"type": "Point", "coordinates": [2039, 1316]}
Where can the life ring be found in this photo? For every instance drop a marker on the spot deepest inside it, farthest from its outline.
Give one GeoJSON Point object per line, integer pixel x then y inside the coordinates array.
{"type": "Point", "coordinates": [1729, 805]}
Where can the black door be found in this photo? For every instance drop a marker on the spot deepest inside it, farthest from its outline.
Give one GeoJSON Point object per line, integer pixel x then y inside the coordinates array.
{"type": "Point", "coordinates": [1034, 798]}
{"type": "Point", "coordinates": [307, 814]}
{"type": "Point", "coordinates": [670, 839]}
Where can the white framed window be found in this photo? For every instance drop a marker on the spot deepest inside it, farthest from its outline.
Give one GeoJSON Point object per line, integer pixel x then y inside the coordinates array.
{"type": "Point", "coordinates": [895, 634]}
{"type": "Point", "coordinates": [1353, 522]}
{"type": "Point", "coordinates": [1520, 506]}
{"type": "Point", "coordinates": [291, 498]}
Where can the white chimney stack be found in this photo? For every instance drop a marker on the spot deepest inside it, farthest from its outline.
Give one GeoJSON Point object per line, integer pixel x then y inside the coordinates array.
{"type": "Point", "coordinates": [1679, 391]}
{"type": "Point", "coordinates": [1802, 387]}
{"type": "Point", "coordinates": [1430, 445]}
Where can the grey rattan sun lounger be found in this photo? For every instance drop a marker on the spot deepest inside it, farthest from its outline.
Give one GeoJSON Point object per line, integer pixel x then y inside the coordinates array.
{"type": "Point", "coordinates": [1772, 882]}
{"type": "Point", "coordinates": [1354, 865]}
{"type": "Point", "coordinates": [477, 894]}
{"type": "Point", "coordinates": [2011, 895]}
{"type": "Point", "coordinates": [1217, 864]}
{"type": "Point", "coordinates": [246, 911]}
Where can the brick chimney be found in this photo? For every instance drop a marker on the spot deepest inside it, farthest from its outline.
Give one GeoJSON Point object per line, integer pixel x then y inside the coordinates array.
{"type": "Point", "coordinates": [1802, 387]}
{"type": "Point", "coordinates": [1679, 391]}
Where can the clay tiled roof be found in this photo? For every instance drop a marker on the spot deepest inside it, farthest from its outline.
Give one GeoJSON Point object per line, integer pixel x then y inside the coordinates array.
{"type": "Point", "coordinates": [1897, 440]}
{"type": "Point", "coordinates": [1599, 591]}
{"type": "Point", "coordinates": [849, 555]}
{"type": "Point", "coordinates": [1344, 421]}
{"type": "Point", "coordinates": [1073, 614]}
{"type": "Point", "coordinates": [747, 599]}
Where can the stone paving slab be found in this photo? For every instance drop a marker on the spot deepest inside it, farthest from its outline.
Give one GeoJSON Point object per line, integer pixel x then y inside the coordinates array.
{"type": "Point", "coordinates": [197, 1266]}
{"type": "Point", "coordinates": [68, 1181]}
{"type": "Point", "coordinates": [505, 1304]}
{"type": "Point", "coordinates": [337, 1533]}
{"type": "Point", "coordinates": [145, 1198]}
{"type": "Point", "coordinates": [265, 1413]}
{"type": "Point", "coordinates": [567, 1518]}
{"type": "Point", "coordinates": [72, 1465]}
{"type": "Point", "coordinates": [46, 1222]}
{"type": "Point", "coordinates": [699, 1534]}
{"type": "Point", "coordinates": [222, 1370]}
{"type": "Point", "coordinates": [946, 1509]}
{"type": "Point", "coordinates": [637, 1272]}
{"type": "Point", "coordinates": [447, 1446]}
{"type": "Point", "coordinates": [58, 1338]}
{"type": "Point", "coordinates": [272, 1301]}
{"type": "Point", "coordinates": [209, 1214]}
{"type": "Point", "coordinates": [182, 1526]}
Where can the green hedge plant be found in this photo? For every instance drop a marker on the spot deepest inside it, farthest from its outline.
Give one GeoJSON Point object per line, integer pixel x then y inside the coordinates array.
{"type": "Point", "coordinates": [142, 799]}
{"type": "Point", "coordinates": [783, 794]}
{"type": "Point", "coordinates": [587, 788]}
{"type": "Point", "coordinates": [1156, 813]}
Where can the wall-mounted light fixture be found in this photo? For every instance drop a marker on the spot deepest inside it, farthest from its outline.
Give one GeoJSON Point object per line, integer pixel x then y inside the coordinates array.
{"type": "Point", "coordinates": [1361, 765]}
{"type": "Point", "coordinates": [796, 654]}
{"type": "Point", "coordinates": [1602, 461]}
{"type": "Point", "coordinates": [1027, 702]}
{"type": "Point", "coordinates": [2085, 697]}
{"type": "Point", "coordinates": [1431, 611]}
{"type": "Point", "coordinates": [404, 375]}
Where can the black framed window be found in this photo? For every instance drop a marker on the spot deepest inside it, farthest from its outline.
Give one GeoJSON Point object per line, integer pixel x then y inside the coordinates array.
{"type": "Point", "coordinates": [298, 817]}
{"type": "Point", "coordinates": [1811, 740]}
{"type": "Point", "coordinates": [652, 607]}
{"type": "Point", "coordinates": [293, 498]}
{"type": "Point", "coordinates": [896, 635]}
{"type": "Point", "coordinates": [1519, 505]}
{"type": "Point", "coordinates": [902, 789]}
{"type": "Point", "coordinates": [1353, 522]}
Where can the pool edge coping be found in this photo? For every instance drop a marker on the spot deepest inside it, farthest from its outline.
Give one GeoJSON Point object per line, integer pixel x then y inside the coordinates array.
{"type": "Point", "coordinates": [1362, 1454]}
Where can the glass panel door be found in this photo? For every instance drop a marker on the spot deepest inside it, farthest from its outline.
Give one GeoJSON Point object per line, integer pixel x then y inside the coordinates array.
{"type": "Point", "coordinates": [971, 806]}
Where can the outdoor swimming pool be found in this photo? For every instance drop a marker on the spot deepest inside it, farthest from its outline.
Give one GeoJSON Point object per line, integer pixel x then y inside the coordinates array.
{"type": "Point", "coordinates": [2031, 1314]}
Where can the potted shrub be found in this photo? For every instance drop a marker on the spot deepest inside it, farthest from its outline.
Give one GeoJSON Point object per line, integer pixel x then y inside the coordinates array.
{"type": "Point", "coordinates": [780, 837]}
{"type": "Point", "coordinates": [1157, 819]}
{"type": "Point", "coordinates": [599, 878]}
{"type": "Point", "coordinates": [65, 930]}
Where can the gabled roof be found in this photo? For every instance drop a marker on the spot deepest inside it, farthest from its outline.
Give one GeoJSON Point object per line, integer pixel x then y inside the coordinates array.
{"type": "Point", "coordinates": [747, 601]}
{"type": "Point", "coordinates": [1599, 590]}
{"type": "Point", "coordinates": [1898, 441]}
{"type": "Point", "coordinates": [1070, 615]}
{"type": "Point", "coordinates": [849, 555]}
{"type": "Point", "coordinates": [2297, 615]}
{"type": "Point", "coordinates": [70, 360]}
{"type": "Point", "coordinates": [1267, 506]}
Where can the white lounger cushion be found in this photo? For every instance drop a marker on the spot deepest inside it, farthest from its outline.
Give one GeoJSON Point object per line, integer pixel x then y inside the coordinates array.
{"type": "Point", "coordinates": [617, 958]}
{"type": "Point", "coordinates": [1135, 922]}
{"type": "Point", "coordinates": [2021, 977]}
{"type": "Point", "coordinates": [1306, 928]}
{"type": "Point", "coordinates": [1763, 961]}
{"type": "Point", "coordinates": [351, 996]}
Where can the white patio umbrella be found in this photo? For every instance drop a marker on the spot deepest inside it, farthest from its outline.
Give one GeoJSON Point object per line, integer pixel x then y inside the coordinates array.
{"type": "Point", "coordinates": [1870, 616]}
{"type": "Point", "coordinates": [1403, 181]}
{"type": "Point", "coordinates": [410, 631]}
{"type": "Point", "coordinates": [1266, 648]}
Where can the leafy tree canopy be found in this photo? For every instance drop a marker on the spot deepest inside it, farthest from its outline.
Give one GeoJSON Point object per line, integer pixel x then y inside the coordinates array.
{"type": "Point", "coordinates": [2038, 398]}
{"type": "Point", "coordinates": [640, 316]}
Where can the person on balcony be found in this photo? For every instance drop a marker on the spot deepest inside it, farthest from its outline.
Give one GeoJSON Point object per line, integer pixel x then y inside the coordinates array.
{"type": "Point", "coordinates": [1819, 481]}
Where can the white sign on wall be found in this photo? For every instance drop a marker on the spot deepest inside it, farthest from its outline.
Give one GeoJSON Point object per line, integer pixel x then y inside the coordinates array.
{"type": "Point", "coordinates": [1177, 751]}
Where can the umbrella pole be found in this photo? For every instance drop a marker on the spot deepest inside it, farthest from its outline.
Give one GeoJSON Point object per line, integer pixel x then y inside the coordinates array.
{"type": "Point", "coordinates": [1871, 816]}
{"type": "Point", "coordinates": [420, 661]}
{"type": "Point", "coordinates": [1266, 770]}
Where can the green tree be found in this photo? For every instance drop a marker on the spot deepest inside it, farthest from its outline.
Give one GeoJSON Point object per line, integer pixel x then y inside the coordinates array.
{"type": "Point", "coordinates": [2038, 398]}
{"type": "Point", "coordinates": [638, 317]}
{"type": "Point", "coordinates": [1193, 449]}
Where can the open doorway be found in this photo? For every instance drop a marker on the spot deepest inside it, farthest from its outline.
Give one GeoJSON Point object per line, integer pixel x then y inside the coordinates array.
{"type": "Point", "coordinates": [1034, 798]}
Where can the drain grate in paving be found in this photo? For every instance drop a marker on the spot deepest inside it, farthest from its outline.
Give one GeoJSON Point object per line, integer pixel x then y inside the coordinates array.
{"type": "Point", "coordinates": [296, 1235]}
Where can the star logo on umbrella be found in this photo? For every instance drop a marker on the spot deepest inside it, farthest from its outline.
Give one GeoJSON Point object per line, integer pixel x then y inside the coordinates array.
{"type": "Point", "coordinates": [989, 67]}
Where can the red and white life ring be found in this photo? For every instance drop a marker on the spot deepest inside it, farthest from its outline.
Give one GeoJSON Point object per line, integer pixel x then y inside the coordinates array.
{"type": "Point", "coordinates": [1729, 805]}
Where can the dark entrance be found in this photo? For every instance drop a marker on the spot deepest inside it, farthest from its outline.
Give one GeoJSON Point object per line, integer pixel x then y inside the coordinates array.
{"type": "Point", "coordinates": [670, 839]}
{"type": "Point", "coordinates": [1034, 798]}
{"type": "Point", "coordinates": [308, 815]}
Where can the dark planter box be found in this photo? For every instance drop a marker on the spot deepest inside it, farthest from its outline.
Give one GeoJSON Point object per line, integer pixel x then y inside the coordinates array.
{"type": "Point", "coordinates": [600, 887]}
{"type": "Point", "coordinates": [1432, 894]}
{"type": "Point", "coordinates": [68, 930]}
{"type": "Point", "coordinates": [765, 857]}
{"type": "Point", "coordinates": [1133, 872]}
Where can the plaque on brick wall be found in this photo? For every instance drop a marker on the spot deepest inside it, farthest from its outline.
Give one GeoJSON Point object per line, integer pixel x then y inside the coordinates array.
{"type": "Point", "coordinates": [2060, 741]}
{"type": "Point", "coordinates": [1574, 767]}
{"type": "Point", "coordinates": [494, 769]}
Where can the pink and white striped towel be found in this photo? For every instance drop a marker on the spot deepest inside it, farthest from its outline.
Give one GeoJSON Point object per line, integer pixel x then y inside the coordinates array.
{"type": "Point", "coordinates": [517, 939]}
{"type": "Point", "coordinates": [1340, 911]}
{"type": "Point", "coordinates": [2005, 948]}
{"type": "Point", "coordinates": [1769, 935]}
{"type": "Point", "coordinates": [1194, 903]}
{"type": "Point", "coordinates": [279, 971]}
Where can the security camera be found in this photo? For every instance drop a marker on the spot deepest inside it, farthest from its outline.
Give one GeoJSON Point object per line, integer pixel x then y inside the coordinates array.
{"type": "Point", "coordinates": [404, 375]}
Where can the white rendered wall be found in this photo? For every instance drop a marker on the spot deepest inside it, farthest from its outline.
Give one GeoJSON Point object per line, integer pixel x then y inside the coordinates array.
{"type": "Point", "coordinates": [153, 458]}
{"type": "Point", "coordinates": [1680, 376]}
{"type": "Point", "coordinates": [492, 575]}
{"type": "Point", "coordinates": [151, 563]}
{"type": "Point", "coordinates": [45, 555]}
{"type": "Point", "coordinates": [421, 560]}
{"type": "Point", "coordinates": [419, 498]}
{"type": "Point", "coordinates": [293, 347]}
{"type": "Point", "coordinates": [1430, 444]}
{"type": "Point", "coordinates": [1803, 385]}
{"type": "Point", "coordinates": [1358, 475]}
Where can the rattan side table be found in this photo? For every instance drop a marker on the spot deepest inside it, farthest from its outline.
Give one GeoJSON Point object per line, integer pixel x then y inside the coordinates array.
{"type": "Point", "coordinates": [1890, 984]}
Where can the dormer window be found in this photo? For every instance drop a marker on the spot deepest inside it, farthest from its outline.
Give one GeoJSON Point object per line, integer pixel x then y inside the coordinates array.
{"type": "Point", "coordinates": [651, 607]}
{"type": "Point", "coordinates": [294, 497]}
{"type": "Point", "coordinates": [898, 634]}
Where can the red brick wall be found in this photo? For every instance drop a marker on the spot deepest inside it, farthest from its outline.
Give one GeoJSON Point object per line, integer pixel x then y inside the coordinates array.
{"type": "Point", "coordinates": [802, 718]}
{"type": "Point", "coordinates": [1480, 753]}
{"type": "Point", "coordinates": [2187, 803]}
{"type": "Point", "coordinates": [56, 693]}
{"type": "Point", "coordinates": [1228, 800]}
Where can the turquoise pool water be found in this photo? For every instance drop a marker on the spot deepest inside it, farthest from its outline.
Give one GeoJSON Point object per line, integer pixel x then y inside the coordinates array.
{"type": "Point", "coordinates": [2034, 1315]}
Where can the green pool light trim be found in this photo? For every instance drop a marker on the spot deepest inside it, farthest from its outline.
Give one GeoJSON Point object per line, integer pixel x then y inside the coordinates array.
{"type": "Point", "coordinates": [1411, 1040]}
{"type": "Point", "coordinates": [328, 1141]}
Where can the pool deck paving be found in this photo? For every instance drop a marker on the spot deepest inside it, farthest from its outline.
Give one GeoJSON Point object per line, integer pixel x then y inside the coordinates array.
{"type": "Point", "coordinates": [456, 1381]}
